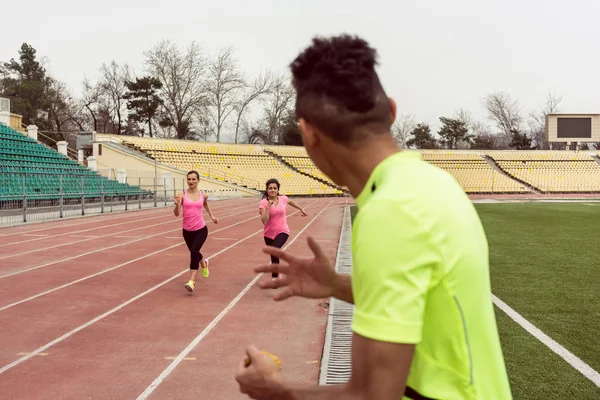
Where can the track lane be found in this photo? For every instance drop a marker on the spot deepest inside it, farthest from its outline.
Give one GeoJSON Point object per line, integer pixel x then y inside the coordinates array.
{"type": "Point", "coordinates": [42, 258]}
{"type": "Point", "coordinates": [165, 310]}
{"type": "Point", "coordinates": [65, 273]}
{"type": "Point", "coordinates": [292, 329]}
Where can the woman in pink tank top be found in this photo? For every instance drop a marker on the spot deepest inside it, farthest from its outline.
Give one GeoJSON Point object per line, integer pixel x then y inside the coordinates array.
{"type": "Point", "coordinates": [272, 209]}
{"type": "Point", "coordinates": [195, 231]}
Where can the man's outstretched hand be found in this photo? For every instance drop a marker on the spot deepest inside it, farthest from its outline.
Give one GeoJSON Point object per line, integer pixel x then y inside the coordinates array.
{"type": "Point", "coordinates": [311, 277]}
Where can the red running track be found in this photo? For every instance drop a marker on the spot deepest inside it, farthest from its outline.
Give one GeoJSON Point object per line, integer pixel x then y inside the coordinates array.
{"type": "Point", "coordinates": [93, 318]}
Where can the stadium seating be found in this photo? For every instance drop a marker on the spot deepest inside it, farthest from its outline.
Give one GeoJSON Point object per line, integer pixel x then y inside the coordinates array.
{"type": "Point", "coordinates": [245, 165]}
{"type": "Point", "coordinates": [473, 172]}
{"type": "Point", "coordinates": [478, 172]}
{"type": "Point", "coordinates": [552, 171]}
{"type": "Point", "coordinates": [297, 158]}
{"type": "Point", "coordinates": [29, 167]}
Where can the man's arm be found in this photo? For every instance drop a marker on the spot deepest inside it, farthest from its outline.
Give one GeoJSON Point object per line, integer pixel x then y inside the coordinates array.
{"type": "Point", "coordinates": [342, 288]}
{"type": "Point", "coordinates": [379, 372]}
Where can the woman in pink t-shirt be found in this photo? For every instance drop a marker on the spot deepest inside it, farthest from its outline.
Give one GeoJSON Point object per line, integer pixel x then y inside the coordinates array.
{"type": "Point", "coordinates": [195, 231]}
{"type": "Point", "coordinates": [272, 209]}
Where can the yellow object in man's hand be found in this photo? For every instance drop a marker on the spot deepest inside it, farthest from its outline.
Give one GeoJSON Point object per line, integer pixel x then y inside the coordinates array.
{"type": "Point", "coordinates": [247, 362]}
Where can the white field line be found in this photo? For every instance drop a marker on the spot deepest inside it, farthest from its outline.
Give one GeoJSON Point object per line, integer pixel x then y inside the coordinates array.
{"type": "Point", "coordinates": [565, 354]}
{"type": "Point", "coordinates": [98, 250]}
{"type": "Point", "coordinates": [117, 308]}
{"type": "Point", "coordinates": [215, 321]}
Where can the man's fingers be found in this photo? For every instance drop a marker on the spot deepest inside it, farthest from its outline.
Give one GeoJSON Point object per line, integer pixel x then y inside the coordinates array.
{"type": "Point", "coordinates": [252, 352]}
{"type": "Point", "coordinates": [271, 284]}
{"type": "Point", "coordinates": [272, 268]}
{"type": "Point", "coordinates": [316, 249]}
{"type": "Point", "coordinates": [274, 251]}
{"type": "Point", "coordinates": [283, 294]}
{"type": "Point", "coordinates": [240, 369]}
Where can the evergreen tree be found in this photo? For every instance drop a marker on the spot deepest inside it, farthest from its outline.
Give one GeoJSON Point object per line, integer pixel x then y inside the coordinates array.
{"type": "Point", "coordinates": [143, 100]}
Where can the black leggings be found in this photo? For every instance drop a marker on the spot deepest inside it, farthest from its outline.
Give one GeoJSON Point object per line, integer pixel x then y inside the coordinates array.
{"type": "Point", "coordinates": [194, 241]}
{"type": "Point", "coordinates": [278, 242]}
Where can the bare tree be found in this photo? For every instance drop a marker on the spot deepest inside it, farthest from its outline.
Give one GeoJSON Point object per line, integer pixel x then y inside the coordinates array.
{"type": "Point", "coordinates": [279, 100]}
{"type": "Point", "coordinates": [537, 119]}
{"type": "Point", "coordinates": [113, 86]}
{"type": "Point", "coordinates": [64, 112]}
{"type": "Point", "coordinates": [477, 129]}
{"type": "Point", "coordinates": [206, 129]}
{"type": "Point", "coordinates": [182, 75]}
{"type": "Point", "coordinates": [261, 86]}
{"type": "Point", "coordinates": [402, 128]}
{"type": "Point", "coordinates": [464, 116]}
{"type": "Point", "coordinates": [225, 83]}
{"type": "Point", "coordinates": [90, 101]}
{"type": "Point", "coordinates": [505, 112]}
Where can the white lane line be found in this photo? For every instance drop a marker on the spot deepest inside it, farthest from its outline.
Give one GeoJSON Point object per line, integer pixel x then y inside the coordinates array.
{"type": "Point", "coordinates": [86, 230]}
{"type": "Point", "coordinates": [85, 240]}
{"type": "Point", "coordinates": [214, 322]}
{"type": "Point", "coordinates": [43, 248]}
{"type": "Point", "coordinates": [119, 266]}
{"type": "Point", "coordinates": [112, 311]}
{"type": "Point", "coordinates": [88, 220]}
{"type": "Point", "coordinates": [97, 251]}
{"type": "Point", "coordinates": [34, 235]}
{"type": "Point", "coordinates": [225, 238]}
{"type": "Point", "coordinates": [126, 236]}
{"type": "Point", "coordinates": [102, 227]}
{"type": "Point", "coordinates": [556, 347]}
{"type": "Point", "coordinates": [108, 270]}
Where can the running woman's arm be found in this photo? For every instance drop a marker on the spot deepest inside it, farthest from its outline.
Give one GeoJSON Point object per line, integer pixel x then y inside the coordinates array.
{"type": "Point", "coordinates": [207, 207]}
{"type": "Point", "coordinates": [293, 204]}
{"type": "Point", "coordinates": [264, 213]}
{"type": "Point", "coordinates": [178, 199]}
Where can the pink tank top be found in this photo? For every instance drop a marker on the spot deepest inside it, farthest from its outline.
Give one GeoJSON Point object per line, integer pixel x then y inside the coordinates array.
{"type": "Point", "coordinates": [193, 219]}
{"type": "Point", "coordinates": [277, 222]}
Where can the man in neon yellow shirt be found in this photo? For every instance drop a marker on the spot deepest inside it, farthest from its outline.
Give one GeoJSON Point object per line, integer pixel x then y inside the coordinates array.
{"type": "Point", "coordinates": [424, 324]}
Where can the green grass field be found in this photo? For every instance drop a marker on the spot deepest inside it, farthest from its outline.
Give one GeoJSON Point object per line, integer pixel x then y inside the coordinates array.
{"type": "Point", "coordinates": [545, 265]}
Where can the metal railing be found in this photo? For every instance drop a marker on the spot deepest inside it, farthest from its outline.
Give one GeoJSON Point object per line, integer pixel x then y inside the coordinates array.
{"type": "Point", "coordinates": [31, 197]}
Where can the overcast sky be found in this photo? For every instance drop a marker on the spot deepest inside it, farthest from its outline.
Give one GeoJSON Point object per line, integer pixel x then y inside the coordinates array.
{"type": "Point", "coordinates": [436, 55]}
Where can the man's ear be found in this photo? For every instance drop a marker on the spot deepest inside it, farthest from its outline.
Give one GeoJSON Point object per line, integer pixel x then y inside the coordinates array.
{"type": "Point", "coordinates": [309, 137]}
{"type": "Point", "coordinates": [392, 110]}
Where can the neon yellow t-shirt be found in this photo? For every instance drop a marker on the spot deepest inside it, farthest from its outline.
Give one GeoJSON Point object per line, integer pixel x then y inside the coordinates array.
{"type": "Point", "coordinates": [421, 275]}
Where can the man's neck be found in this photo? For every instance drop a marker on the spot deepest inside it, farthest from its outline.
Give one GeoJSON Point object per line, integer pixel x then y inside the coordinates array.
{"type": "Point", "coordinates": [358, 165]}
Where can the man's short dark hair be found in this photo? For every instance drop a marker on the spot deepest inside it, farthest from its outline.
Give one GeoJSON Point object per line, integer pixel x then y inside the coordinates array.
{"type": "Point", "coordinates": [338, 90]}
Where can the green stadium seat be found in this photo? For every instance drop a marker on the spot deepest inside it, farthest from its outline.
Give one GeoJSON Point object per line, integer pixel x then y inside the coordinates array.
{"type": "Point", "coordinates": [21, 156]}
